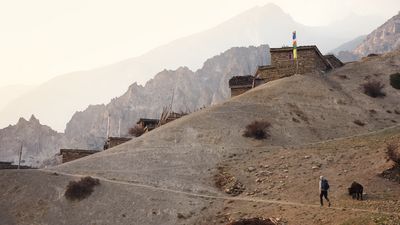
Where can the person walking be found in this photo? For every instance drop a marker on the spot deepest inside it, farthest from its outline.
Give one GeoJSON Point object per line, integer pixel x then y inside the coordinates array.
{"type": "Point", "coordinates": [323, 188]}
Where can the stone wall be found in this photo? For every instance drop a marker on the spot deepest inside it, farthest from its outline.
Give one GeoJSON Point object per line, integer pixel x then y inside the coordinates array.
{"type": "Point", "coordinates": [283, 64]}
{"type": "Point", "coordinates": [73, 154]}
{"type": "Point", "coordinates": [268, 73]}
{"type": "Point", "coordinates": [240, 90]}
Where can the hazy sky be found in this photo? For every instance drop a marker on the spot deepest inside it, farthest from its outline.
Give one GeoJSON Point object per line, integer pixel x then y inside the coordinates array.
{"type": "Point", "coordinates": [44, 38]}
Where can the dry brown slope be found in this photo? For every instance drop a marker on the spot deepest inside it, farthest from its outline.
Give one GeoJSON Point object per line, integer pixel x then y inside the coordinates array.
{"type": "Point", "coordinates": [182, 156]}
{"type": "Point", "coordinates": [182, 153]}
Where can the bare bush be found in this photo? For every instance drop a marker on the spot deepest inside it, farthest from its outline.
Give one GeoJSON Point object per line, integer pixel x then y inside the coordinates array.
{"type": "Point", "coordinates": [392, 152]}
{"type": "Point", "coordinates": [343, 77]}
{"type": "Point", "coordinates": [253, 221]}
{"type": "Point", "coordinates": [374, 88]}
{"type": "Point", "coordinates": [78, 190]}
{"type": "Point", "coordinates": [359, 123]}
{"type": "Point", "coordinates": [257, 130]}
{"type": "Point", "coordinates": [137, 130]}
{"type": "Point", "coordinates": [395, 80]}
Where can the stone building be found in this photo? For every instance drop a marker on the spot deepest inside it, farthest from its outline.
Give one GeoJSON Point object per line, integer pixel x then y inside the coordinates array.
{"type": "Point", "coordinates": [73, 154]}
{"type": "Point", "coordinates": [333, 61]}
{"type": "Point", "coordinates": [148, 124]}
{"type": "Point", "coordinates": [241, 84]}
{"type": "Point", "coordinates": [10, 165]}
{"type": "Point", "coordinates": [114, 141]}
{"type": "Point", "coordinates": [309, 60]}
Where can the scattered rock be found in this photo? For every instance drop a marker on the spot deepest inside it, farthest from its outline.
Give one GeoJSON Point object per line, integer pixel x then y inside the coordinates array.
{"type": "Point", "coordinates": [251, 169]}
{"type": "Point", "coordinates": [307, 157]}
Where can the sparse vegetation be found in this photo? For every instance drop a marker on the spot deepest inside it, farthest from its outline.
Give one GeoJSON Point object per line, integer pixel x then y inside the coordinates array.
{"type": "Point", "coordinates": [395, 80]}
{"type": "Point", "coordinates": [372, 55]}
{"type": "Point", "coordinates": [137, 130]}
{"type": "Point", "coordinates": [228, 183]}
{"type": "Point", "coordinates": [359, 123]}
{"type": "Point", "coordinates": [343, 77]}
{"type": "Point", "coordinates": [78, 190]}
{"type": "Point", "coordinates": [253, 221]}
{"type": "Point", "coordinates": [373, 89]}
{"type": "Point", "coordinates": [258, 130]}
{"type": "Point", "coordinates": [392, 152]}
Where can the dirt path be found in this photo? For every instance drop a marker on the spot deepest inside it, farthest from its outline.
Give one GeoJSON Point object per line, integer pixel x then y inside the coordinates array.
{"type": "Point", "coordinates": [223, 197]}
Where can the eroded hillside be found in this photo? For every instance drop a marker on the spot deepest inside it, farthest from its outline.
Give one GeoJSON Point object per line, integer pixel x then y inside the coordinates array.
{"type": "Point", "coordinates": [167, 175]}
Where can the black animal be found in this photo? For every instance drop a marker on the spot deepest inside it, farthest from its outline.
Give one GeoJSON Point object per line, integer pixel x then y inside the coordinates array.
{"type": "Point", "coordinates": [356, 190]}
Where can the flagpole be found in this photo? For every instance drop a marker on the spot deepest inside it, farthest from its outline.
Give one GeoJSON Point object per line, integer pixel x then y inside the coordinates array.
{"type": "Point", "coordinates": [295, 51]}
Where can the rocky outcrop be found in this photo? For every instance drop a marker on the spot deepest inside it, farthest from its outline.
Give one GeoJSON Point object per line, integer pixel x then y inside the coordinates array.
{"type": "Point", "coordinates": [384, 39]}
{"type": "Point", "coordinates": [190, 91]}
{"type": "Point", "coordinates": [39, 142]}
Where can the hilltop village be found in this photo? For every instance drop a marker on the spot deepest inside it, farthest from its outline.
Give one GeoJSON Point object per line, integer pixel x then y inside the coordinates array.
{"type": "Point", "coordinates": [310, 60]}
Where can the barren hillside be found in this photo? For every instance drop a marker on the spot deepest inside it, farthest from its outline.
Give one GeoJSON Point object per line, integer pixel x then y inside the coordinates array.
{"type": "Point", "coordinates": [167, 176]}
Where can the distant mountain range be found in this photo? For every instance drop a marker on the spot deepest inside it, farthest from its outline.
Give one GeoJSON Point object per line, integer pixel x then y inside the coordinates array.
{"type": "Point", "coordinates": [384, 39]}
{"type": "Point", "coordinates": [57, 100]}
{"type": "Point", "coordinates": [11, 92]}
{"type": "Point", "coordinates": [87, 129]}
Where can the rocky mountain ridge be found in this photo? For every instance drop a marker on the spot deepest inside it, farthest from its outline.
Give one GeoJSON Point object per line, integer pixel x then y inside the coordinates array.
{"type": "Point", "coordinates": [57, 100]}
{"type": "Point", "coordinates": [190, 91]}
{"type": "Point", "coordinates": [384, 39]}
{"type": "Point", "coordinates": [39, 142]}
{"type": "Point", "coordinates": [87, 129]}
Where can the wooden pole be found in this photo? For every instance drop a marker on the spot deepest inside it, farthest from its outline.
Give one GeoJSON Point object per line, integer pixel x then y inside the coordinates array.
{"type": "Point", "coordinates": [119, 127]}
{"type": "Point", "coordinates": [20, 154]}
{"type": "Point", "coordinates": [108, 126]}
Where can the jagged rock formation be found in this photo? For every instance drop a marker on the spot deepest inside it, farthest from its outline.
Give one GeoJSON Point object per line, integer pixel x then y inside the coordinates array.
{"type": "Point", "coordinates": [87, 129]}
{"type": "Point", "coordinates": [384, 39]}
{"type": "Point", "coordinates": [260, 25]}
{"type": "Point", "coordinates": [39, 142]}
{"type": "Point", "coordinates": [191, 90]}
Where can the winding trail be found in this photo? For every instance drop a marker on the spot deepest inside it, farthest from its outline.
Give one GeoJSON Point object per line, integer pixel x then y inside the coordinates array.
{"type": "Point", "coordinates": [218, 196]}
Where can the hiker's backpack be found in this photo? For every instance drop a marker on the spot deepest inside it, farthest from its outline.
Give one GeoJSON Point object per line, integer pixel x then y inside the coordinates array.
{"type": "Point", "coordinates": [324, 185]}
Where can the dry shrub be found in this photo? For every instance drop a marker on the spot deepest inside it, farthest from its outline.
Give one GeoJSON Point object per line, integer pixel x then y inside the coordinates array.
{"type": "Point", "coordinates": [343, 77]}
{"type": "Point", "coordinates": [257, 130]}
{"type": "Point", "coordinates": [78, 190]}
{"type": "Point", "coordinates": [374, 88]}
{"type": "Point", "coordinates": [372, 55]}
{"type": "Point", "coordinates": [137, 130]}
{"type": "Point", "coordinates": [359, 123]}
{"type": "Point", "coordinates": [395, 80]}
{"type": "Point", "coordinates": [252, 221]}
{"type": "Point", "coordinates": [393, 153]}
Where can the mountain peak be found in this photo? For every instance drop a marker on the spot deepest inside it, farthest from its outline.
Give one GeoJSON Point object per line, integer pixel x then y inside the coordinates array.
{"type": "Point", "coordinates": [33, 119]}
{"type": "Point", "coordinates": [272, 6]}
{"type": "Point", "coordinates": [22, 120]}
